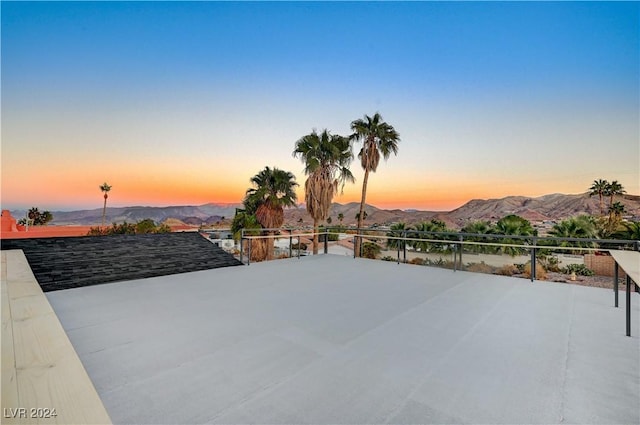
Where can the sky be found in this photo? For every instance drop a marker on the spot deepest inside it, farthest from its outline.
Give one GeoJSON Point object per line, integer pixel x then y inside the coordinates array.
{"type": "Point", "coordinates": [181, 103]}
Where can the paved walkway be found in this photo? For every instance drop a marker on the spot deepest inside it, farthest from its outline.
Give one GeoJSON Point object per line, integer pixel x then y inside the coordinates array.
{"type": "Point", "coordinates": [331, 339]}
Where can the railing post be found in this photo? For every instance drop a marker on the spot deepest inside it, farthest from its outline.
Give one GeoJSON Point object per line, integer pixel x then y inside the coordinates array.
{"type": "Point", "coordinates": [404, 246]}
{"type": "Point", "coordinates": [354, 246]}
{"type": "Point", "coordinates": [628, 305]}
{"type": "Point", "coordinates": [326, 242]}
{"type": "Point", "coordinates": [615, 282]}
{"type": "Point", "coordinates": [461, 238]}
{"type": "Point", "coordinates": [533, 261]}
{"type": "Point", "coordinates": [241, 247]}
{"type": "Point", "coordinates": [249, 259]}
{"type": "Point", "coordinates": [455, 257]}
{"type": "Point", "coordinates": [398, 251]}
{"type": "Point", "coordinates": [290, 244]}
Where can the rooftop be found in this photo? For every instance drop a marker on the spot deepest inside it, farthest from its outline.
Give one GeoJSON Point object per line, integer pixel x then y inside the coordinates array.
{"type": "Point", "coordinates": [331, 339]}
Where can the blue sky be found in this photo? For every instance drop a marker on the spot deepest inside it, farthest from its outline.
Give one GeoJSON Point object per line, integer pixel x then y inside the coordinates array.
{"type": "Point", "coordinates": [182, 102]}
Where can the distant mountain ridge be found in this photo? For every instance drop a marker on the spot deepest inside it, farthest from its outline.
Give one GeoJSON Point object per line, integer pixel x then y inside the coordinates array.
{"type": "Point", "coordinates": [555, 206]}
{"type": "Point", "coordinates": [190, 214]}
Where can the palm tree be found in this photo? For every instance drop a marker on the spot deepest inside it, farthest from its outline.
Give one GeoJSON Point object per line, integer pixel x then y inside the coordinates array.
{"type": "Point", "coordinates": [513, 225]}
{"type": "Point", "coordinates": [599, 187]}
{"type": "Point", "coordinates": [425, 227]}
{"type": "Point", "coordinates": [614, 188]}
{"type": "Point", "coordinates": [582, 226]}
{"type": "Point", "coordinates": [630, 230]}
{"type": "Point", "coordinates": [273, 190]}
{"type": "Point", "coordinates": [326, 159]}
{"type": "Point", "coordinates": [479, 227]}
{"type": "Point", "coordinates": [105, 188]}
{"type": "Point", "coordinates": [340, 218]}
{"type": "Point", "coordinates": [398, 230]}
{"type": "Point", "coordinates": [377, 138]}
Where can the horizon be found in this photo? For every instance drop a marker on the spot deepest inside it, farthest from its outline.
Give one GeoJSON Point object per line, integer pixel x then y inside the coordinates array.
{"type": "Point", "coordinates": [298, 205]}
{"type": "Point", "coordinates": [180, 103]}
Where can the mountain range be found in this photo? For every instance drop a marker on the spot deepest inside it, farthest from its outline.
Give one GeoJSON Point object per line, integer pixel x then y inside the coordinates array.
{"type": "Point", "coordinates": [548, 207]}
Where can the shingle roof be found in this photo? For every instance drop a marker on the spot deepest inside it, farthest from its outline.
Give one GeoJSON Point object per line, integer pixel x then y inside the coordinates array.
{"type": "Point", "coordinates": [62, 263]}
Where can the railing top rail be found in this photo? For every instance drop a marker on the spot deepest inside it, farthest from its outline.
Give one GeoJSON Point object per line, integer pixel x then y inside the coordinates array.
{"type": "Point", "coordinates": [414, 235]}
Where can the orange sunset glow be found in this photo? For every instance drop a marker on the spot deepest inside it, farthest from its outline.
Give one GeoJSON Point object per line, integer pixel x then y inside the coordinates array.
{"type": "Point", "coordinates": [187, 117]}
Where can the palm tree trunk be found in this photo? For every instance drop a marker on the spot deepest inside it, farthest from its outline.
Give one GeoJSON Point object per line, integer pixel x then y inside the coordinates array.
{"type": "Point", "coordinates": [361, 214]}
{"type": "Point", "coordinates": [601, 205]}
{"type": "Point", "coordinates": [315, 236]}
{"type": "Point", "coordinates": [270, 243]}
{"type": "Point", "coordinates": [104, 210]}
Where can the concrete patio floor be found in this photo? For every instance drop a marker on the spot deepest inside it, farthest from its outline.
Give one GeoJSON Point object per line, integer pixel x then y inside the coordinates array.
{"type": "Point", "coordinates": [331, 339]}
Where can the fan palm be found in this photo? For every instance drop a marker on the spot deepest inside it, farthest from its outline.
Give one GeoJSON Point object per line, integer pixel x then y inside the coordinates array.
{"type": "Point", "coordinates": [479, 227]}
{"type": "Point", "coordinates": [614, 188]}
{"type": "Point", "coordinates": [630, 230]}
{"type": "Point", "coordinates": [326, 160]}
{"type": "Point", "coordinates": [516, 226]}
{"type": "Point", "coordinates": [599, 187]}
{"type": "Point", "coordinates": [422, 230]}
{"type": "Point", "coordinates": [105, 188]}
{"type": "Point", "coordinates": [378, 138]}
{"type": "Point", "coordinates": [273, 190]}
{"type": "Point", "coordinates": [397, 231]}
{"type": "Point", "coordinates": [575, 227]}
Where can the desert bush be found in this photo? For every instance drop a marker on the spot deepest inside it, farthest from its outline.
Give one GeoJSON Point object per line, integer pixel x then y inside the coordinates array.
{"type": "Point", "coordinates": [479, 268]}
{"type": "Point", "coordinates": [370, 250]}
{"type": "Point", "coordinates": [507, 270]}
{"type": "Point", "coordinates": [417, 261]}
{"type": "Point", "coordinates": [440, 262]}
{"type": "Point", "coordinates": [550, 263]}
{"type": "Point", "coordinates": [303, 246]}
{"type": "Point", "coordinates": [541, 273]}
{"type": "Point", "coordinates": [388, 258]}
{"type": "Point", "coordinates": [579, 269]}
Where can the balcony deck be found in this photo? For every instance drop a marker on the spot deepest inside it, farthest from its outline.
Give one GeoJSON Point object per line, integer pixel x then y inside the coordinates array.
{"type": "Point", "coordinates": [331, 339]}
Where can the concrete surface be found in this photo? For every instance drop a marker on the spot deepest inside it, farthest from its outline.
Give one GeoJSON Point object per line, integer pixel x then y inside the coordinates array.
{"type": "Point", "coordinates": [331, 339]}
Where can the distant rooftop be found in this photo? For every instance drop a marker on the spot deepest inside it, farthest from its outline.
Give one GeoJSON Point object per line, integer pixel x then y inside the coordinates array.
{"type": "Point", "coordinates": [69, 262]}
{"type": "Point", "coordinates": [331, 339]}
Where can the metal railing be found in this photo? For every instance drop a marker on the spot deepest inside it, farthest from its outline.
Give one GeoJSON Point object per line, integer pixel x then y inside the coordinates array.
{"type": "Point", "coordinates": [453, 243]}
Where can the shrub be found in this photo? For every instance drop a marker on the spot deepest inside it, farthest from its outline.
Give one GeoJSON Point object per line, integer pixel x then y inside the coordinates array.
{"type": "Point", "coordinates": [479, 268]}
{"type": "Point", "coordinates": [541, 273]}
{"type": "Point", "coordinates": [507, 270]}
{"type": "Point", "coordinates": [417, 261]}
{"type": "Point", "coordinates": [579, 269]}
{"type": "Point", "coordinates": [550, 263]}
{"type": "Point", "coordinates": [388, 258]}
{"type": "Point", "coordinates": [303, 246]}
{"type": "Point", "coordinates": [370, 250]}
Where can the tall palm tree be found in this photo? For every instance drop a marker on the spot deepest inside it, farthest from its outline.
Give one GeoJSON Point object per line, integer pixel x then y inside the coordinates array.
{"type": "Point", "coordinates": [378, 138]}
{"type": "Point", "coordinates": [614, 188]}
{"type": "Point", "coordinates": [599, 187]}
{"type": "Point", "coordinates": [326, 159]}
{"type": "Point", "coordinates": [105, 188]}
{"type": "Point", "coordinates": [273, 190]}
